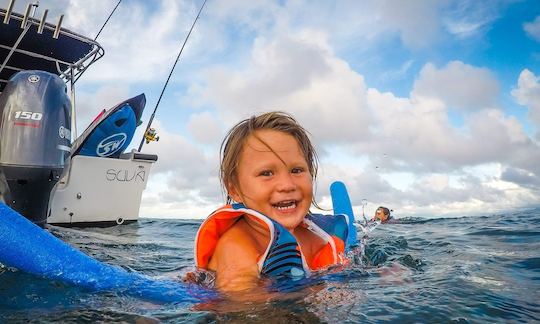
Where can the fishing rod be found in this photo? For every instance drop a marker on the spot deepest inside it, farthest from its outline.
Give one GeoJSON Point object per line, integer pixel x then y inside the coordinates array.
{"type": "Point", "coordinates": [149, 133]}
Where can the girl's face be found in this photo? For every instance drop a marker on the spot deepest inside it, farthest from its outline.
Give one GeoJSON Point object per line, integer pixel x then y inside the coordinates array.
{"type": "Point", "coordinates": [379, 214]}
{"type": "Point", "coordinates": [281, 191]}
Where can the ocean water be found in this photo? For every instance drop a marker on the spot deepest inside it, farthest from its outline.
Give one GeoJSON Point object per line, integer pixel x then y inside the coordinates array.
{"type": "Point", "coordinates": [464, 270]}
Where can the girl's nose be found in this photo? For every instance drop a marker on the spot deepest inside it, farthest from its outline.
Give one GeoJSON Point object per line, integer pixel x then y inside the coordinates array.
{"type": "Point", "coordinates": [286, 183]}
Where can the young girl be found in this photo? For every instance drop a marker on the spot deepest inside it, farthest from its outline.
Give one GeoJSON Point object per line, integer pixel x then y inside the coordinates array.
{"type": "Point", "coordinates": [268, 168]}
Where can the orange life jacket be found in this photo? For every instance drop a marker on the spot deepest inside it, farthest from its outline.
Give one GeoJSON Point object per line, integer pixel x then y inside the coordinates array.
{"type": "Point", "coordinates": [282, 256]}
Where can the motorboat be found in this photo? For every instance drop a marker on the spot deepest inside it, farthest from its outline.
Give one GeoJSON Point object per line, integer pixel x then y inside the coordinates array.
{"type": "Point", "coordinates": [48, 173]}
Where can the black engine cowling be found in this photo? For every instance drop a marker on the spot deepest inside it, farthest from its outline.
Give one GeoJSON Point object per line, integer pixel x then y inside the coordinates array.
{"type": "Point", "coordinates": [35, 141]}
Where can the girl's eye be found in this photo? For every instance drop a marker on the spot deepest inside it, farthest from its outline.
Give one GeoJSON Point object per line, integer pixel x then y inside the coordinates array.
{"type": "Point", "coordinates": [266, 173]}
{"type": "Point", "coordinates": [297, 170]}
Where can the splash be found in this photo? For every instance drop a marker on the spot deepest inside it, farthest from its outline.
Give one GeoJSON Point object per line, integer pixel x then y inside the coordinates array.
{"type": "Point", "coordinates": [358, 254]}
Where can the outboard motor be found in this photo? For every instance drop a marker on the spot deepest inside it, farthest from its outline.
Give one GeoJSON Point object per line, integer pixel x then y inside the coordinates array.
{"type": "Point", "coordinates": [35, 141]}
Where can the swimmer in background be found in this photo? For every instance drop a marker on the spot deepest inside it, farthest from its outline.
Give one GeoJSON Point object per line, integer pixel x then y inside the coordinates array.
{"type": "Point", "coordinates": [382, 214]}
{"type": "Point", "coordinates": [268, 170]}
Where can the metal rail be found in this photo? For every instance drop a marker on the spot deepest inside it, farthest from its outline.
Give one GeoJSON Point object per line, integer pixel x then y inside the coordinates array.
{"type": "Point", "coordinates": [68, 71]}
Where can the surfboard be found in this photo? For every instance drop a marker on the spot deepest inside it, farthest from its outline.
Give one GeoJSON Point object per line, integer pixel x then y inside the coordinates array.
{"type": "Point", "coordinates": [112, 131]}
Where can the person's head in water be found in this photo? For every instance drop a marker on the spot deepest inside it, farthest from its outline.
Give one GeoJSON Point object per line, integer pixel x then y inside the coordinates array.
{"type": "Point", "coordinates": [269, 164]}
{"type": "Point", "coordinates": [382, 214]}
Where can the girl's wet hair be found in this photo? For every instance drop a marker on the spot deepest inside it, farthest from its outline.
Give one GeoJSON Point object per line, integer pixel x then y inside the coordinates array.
{"type": "Point", "coordinates": [234, 141]}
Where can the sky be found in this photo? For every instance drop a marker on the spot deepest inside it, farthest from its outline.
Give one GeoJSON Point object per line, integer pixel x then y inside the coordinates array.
{"type": "Point", "coordinates": [431, 108]}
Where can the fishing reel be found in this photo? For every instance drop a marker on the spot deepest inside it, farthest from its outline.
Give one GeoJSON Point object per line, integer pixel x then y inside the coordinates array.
{"type": "Point", "coordinates": [151, 135]}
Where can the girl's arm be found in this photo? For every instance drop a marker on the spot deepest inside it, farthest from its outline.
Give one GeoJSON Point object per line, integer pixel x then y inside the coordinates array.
{"type": "Point", "coordinates": [235, 262]}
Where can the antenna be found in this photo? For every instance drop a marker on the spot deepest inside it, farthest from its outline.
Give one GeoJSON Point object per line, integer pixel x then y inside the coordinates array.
{"type": "Point", "coordinates": [106, 21]}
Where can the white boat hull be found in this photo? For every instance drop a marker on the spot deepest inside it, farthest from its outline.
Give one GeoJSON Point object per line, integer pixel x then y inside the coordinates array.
{"type": "Point", "coordinates": [100, 190]}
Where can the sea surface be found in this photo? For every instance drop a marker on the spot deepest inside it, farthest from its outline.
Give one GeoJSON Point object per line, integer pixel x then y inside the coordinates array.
{"type": "Point", "coordinates": [481, 269]}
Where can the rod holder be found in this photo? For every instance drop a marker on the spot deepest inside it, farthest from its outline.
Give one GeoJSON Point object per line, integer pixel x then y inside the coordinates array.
{"type": "Point", "coordinates": [8, 11]}
{"type": "Point", "coordinates": [42, 21]}
{"type": "Point", "coordinates": [58, 25]}
{"type": "Point", "coordinates": [26, 15]}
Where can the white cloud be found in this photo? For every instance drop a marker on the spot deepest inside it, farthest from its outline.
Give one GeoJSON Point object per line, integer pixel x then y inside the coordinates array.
{"type": "Point", "coordinates": [522, 177]}
{"type": "Point", "coordinates": [527, 94]}
{"type": "Point", "coordinates": [459, 85]}
{"type": "Point", "coordinates": [463, 29]}
{"type": "Point", "coordinates": [140, 40]}
{"type": "Point", "coordinates": [205, 128]}
{"type": "Point", "coordinates": [416, 21]}
{"type": "Point", "coordinates": [256, 15]}
{"type": "Point", "coordinates": [414, 136]}
{"type": "Point", "coordinates": [190, 174]}
{"type": "Point", "coordinates": [409, 135]}
{"type": "Point", "coordinates": [90, 104]}
{"type": "Point", "coordinates": [417, 136]}
{"type": "Point", "coordinates": [398, 74]}
{"type": "Point", "coordinates": [299, 75]}
{"type": "Point", "coordinates": [533, 28]}
{"type": "Point", "coordinates": [86, 17]}
{"type": "Point", "coordinates": [162, 202]}
{"type": "Point", "coordinates": [496, 137]}
{"type": "Point", "coordinates": [465, 18]}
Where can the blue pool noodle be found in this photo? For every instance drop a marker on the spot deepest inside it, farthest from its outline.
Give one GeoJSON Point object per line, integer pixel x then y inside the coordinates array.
{"type": "Point", "coordinates": [31, 249]}
{"type": "Point", "coordinates": [342, 205]}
